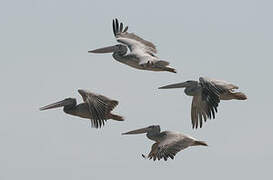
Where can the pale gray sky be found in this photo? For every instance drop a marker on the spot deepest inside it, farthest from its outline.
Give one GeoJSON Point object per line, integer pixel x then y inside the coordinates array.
{"type": "Point", "coordinates": [44, 58]}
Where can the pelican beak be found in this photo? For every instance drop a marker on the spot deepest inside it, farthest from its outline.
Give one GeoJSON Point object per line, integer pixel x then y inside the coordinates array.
{"type": "Point", "coordinates": [56, 104]}
{"type": "Point", "coordinates": [108, 49]}
{"type": "Point", "coordinates": [177, 85]}
{"type": "Point", "coordinates": [137, 131]}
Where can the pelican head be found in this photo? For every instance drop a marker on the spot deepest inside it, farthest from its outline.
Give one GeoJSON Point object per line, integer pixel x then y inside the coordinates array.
{"type": "Point", "coordinates": [119, 48]}
{"type": "Point", "coordinates": [180, 85]}
{"type": "Point", "coordinates": [153, 128]}
{"type": "Point", "coordinates": [64, 103]}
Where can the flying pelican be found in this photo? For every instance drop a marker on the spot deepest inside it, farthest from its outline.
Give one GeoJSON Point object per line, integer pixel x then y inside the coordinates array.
{"type": "Point", "coordinates": [167, 143]}
{"type": "Point", "coordinates": [96, 107]}
{"type": "Point", "coordinates": [142, 52]}
{"type": "Point", "coordinates": [207, 94]}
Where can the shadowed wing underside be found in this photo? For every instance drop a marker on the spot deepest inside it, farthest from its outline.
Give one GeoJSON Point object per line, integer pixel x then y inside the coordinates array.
{"type": "Point", "coordinates": [168, 148]}
{"type": "Point", "coordinates": [99, 107]}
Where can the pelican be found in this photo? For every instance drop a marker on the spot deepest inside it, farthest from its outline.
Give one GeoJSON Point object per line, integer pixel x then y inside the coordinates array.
{"type": "Point", "coordinates": [167, 143]}
{"type": "Point", "coordinates": [96, 107]}
{"type": "Point", "coordinates": [207, 94]}
{"type": "Point", "coordinates": [142, 52]}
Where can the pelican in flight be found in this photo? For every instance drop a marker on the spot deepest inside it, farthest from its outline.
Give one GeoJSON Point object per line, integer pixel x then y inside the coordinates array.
{"type": "Point", "coordinates": [142, 52]}
{"type": "Point", "coordinates": [167, 143]}
{"type": "Point", "coordinates": [96, 107]}
{"type": "Point", "coordinates": [207, 94]}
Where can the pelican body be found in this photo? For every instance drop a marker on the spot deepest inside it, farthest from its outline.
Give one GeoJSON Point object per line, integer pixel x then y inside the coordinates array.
{"type": "Point", "coordinates": [142, 53]}
{"type": "Point", "coordinates": [207, 94]}
{"type": "Point", "coordinates": [96, 107]}
{"type": "Point", "coordinates": [167, 143]}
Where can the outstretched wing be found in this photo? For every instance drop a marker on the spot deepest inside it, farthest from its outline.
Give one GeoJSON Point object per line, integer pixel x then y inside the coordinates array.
{"type": "Point", "coordinates": [204, 105]}
{"type": "Point", "coordinates": [99, 107]}
{"type": "Point", "coordinates": [169, 147]}
{"type": "Point", "coordinates": [134, 42]}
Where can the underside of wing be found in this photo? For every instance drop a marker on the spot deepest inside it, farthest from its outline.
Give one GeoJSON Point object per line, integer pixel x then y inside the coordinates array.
{"type": "Point", "coordinates": [119, 32]}
{"type": "Point", "coordinates": [99, 107]}
{"type": "Point", "coordinates": [167, 149]}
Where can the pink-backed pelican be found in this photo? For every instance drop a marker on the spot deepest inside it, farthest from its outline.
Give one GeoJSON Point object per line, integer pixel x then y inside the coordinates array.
{"type": "Point", "coordinates": [207, 94]}
{"type": "Point", "coordinates": [167, 143]}
{"type": "Point", "coordinates": [96, 107]}
{"type": "Point", "coordinates": [142, 52]}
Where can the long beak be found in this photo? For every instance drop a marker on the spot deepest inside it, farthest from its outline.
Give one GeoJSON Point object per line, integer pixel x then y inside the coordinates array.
{"type": "Point", "coordinates": [177, 85]}
{"type": "Point", "coordinates": [137, 131]}
{"type": "Point", "coordinates": [108, 49]}
{"type": "Point", "coordinates": [56, 104]}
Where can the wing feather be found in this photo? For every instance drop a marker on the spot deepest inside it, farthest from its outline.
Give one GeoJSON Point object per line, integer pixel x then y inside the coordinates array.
{"type": "Point", "coordinates": [169, 147]}
{"type": "Point", "coordinates": [120, 33]}
{"type": "Point", "coordinates": [223, 85]}
{"type": "Point", "coordinates": [204, 104]}
{"type": "Point", "coordinates": [99, 107]}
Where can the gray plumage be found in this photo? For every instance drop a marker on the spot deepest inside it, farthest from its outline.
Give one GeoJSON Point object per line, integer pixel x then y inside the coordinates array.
{"type": "Point", "coordinates": [167, 143]}
{"type": "Point", "coordinates": [142, 52]}
{"type": "Point", "coordinates": [120, 33]}
{"type": "Point", "coordinates": [96, 107]}
{"type": "Point", "coordinates": [207, 94]}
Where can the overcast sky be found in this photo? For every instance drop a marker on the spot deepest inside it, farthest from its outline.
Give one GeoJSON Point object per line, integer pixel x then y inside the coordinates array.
{"type": "Point", "coordinates": [44, 59]}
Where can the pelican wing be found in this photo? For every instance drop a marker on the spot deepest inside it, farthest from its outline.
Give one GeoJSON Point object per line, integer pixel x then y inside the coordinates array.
{"type": "Point", "coordinates": [169, 147]}
{"type": "Point", "coordinates": [209, 86]}
{"type": "Point", "coordinates": [199, 111]}
{"type": "Point", "coordinates": [153, 152]}
{"type": "Point", "coordinates": [204, 105]}
{"type": "Point", "coordinates": [223, 85]}
{"type": "Point", "coordinates": [140, 52]}
{"type": "Point", "coordinates": [131, 40]}
{"type": "Point", "coordinates": [99, 107]}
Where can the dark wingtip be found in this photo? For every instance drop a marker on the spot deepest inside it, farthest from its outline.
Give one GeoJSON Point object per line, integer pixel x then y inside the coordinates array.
{"type": "Point", "coordinates": [114, 27]}
{"type": "Point", "coordinates": [121, 27]}
{"type": "Point", "coordinates": [202, 143]}
{"type": "Point", "coordinates": [117, 26]}
{"type": "Point", "coordinates": [125, 29]}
